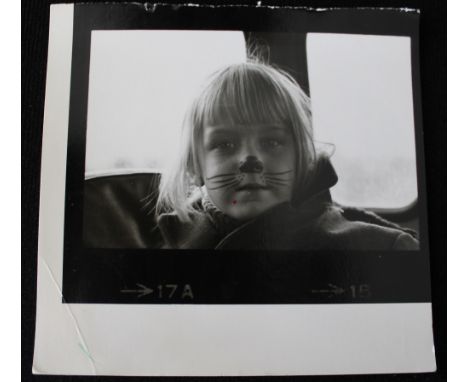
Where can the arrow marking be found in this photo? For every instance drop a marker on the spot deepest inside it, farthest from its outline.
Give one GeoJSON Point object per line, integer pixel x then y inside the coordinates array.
{"type": "Point", "coordinates": [333, 290]}
{"type": "Point", "coordinates": [141, 292]}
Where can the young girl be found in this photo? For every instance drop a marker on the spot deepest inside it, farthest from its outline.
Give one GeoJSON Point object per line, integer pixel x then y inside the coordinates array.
{"type": "Point", "coordinates": [248, 176]}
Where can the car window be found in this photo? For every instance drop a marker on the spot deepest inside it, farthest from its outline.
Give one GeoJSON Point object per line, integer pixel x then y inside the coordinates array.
{"type": "Point", "coordinates": [361, 94]}
{"type": "Point", "coordinates": [140, 86]}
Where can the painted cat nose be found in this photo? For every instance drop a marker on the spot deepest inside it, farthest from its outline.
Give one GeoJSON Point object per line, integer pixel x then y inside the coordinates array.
{"type": "Point", "coordinates": [251, 165]}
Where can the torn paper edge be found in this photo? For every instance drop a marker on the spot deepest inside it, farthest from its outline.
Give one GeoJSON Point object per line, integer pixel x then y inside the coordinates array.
{"type": "Point", "coordinates": [152, 6]}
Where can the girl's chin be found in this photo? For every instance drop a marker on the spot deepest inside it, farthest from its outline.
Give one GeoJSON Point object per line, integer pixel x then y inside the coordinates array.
{"type": "Point", "coordinates": [248, 204]}
{"type": "Point", "coordinates": [244, 210]}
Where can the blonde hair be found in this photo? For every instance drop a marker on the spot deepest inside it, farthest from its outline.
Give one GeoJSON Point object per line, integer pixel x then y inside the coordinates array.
{"type": "Point", "coordinates": [244, 93]}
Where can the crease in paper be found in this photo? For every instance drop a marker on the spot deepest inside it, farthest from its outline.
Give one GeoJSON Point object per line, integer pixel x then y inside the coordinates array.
{"type": "Point", "coordinates": [81, 339]}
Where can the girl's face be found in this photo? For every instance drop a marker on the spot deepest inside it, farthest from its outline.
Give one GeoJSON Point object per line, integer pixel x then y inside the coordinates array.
{"type": "Point", "coordinates": [248, 169]}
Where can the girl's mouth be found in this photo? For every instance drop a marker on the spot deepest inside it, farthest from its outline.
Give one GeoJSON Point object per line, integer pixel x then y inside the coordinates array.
{"type": "Point", "coordinates": [251, 187]}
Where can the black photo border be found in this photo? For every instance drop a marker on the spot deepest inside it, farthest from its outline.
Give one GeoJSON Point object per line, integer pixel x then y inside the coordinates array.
{"type": "Point", "coordinates": [92, 275]}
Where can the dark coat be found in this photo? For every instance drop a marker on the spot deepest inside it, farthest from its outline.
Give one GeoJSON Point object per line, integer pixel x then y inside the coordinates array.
{"type": "Point", "coordinates": [312, 222]}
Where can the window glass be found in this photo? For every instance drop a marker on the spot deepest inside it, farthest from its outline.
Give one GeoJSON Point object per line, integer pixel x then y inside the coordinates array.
{"type": "Point", "coordinates": [140, 86]}
{"type": "Point", "coordinates": [361, 94]}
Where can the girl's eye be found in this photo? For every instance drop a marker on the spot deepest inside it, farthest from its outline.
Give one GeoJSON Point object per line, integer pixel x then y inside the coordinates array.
{"type": "Point", "coordinates": [272, 143]}
{"type": "Point", "coordinates": [224, 146]}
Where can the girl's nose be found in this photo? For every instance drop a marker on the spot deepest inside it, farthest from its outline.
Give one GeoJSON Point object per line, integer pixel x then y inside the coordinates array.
{"type": "Point", "coordinates": [251, 165]}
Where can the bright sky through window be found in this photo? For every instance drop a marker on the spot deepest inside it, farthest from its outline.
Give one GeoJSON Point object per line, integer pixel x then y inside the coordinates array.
{"type": "Point", "coordinates": [140, 86]}
{"type": "Point", "coordinates": [362, 103]}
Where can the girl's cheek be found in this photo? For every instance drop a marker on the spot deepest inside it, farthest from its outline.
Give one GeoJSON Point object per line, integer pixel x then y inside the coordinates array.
{"type": "Point", "coordinates": [216, 165]}
{"type": "Point", "coordinates": [278, 161]}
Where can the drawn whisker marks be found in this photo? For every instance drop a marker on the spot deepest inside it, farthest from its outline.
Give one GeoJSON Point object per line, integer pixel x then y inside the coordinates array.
{"type": "Point", "coordinates": [278, 183]}
{"type": "Point", "coordinates": [278, 173]}
{"type": "Point", "coordinates": [276, 179]}
{"type": "Point", "coordinates": [219, 181]}
{"type": "Point", "coordinates": [232, 183]}
{"type": "Point", "coordinates": [220, 175]}
{"type": "Point", "coordinates": [273, 182]}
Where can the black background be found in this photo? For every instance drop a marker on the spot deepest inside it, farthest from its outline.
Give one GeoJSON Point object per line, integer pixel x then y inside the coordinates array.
{"type": "Point", "coordinates": [35, 19]}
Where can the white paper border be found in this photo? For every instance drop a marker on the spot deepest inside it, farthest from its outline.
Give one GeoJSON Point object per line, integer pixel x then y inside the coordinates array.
{"type": "Point", "coordinates": [194, 340]}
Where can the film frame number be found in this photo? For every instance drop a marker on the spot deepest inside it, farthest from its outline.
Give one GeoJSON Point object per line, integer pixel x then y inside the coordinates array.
{"type": "Point", "coordinates": [360, 291]}
{"type": "Point", "coordinates": [174, 291]}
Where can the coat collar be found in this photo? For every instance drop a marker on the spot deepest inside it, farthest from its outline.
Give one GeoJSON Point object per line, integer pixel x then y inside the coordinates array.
{"type": "Point", "coordinates": [200, 232]}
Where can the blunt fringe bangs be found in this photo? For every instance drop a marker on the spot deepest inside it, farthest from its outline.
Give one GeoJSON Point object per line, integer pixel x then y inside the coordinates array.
{"type": "Point", "coordinates": [240, 94]}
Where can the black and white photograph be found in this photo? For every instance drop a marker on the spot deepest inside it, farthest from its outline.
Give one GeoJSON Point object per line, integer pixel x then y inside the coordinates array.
{"type": "Point", "coordinates": [224, 149]}
{"type": "Point", "coordinates": [241, 162]}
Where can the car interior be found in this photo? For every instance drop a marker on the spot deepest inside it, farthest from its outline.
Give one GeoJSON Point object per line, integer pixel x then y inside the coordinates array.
{"type": "Point", "coordinates": [119, 206]}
